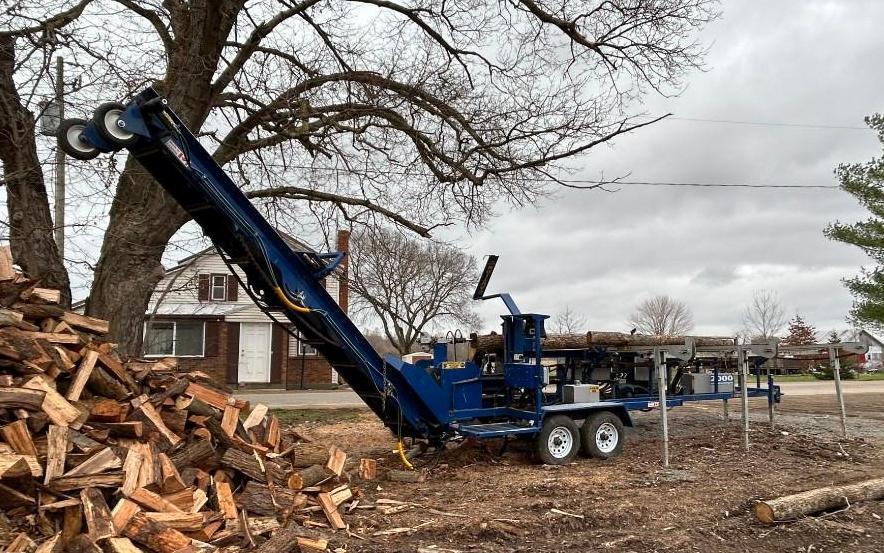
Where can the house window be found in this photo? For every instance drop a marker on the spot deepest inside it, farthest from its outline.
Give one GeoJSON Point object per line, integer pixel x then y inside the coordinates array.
{"type": "Point", "coordinates": [297, 348]}
{"type": "Point", "coordinates": [175, 338]}
{"type": "Point", "coordinates": [219, 287]}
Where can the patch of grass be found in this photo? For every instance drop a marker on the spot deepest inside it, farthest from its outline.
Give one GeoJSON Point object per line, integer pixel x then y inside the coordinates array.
{"type": "Point", "coordinates": [325, 416]}
{"type": "Point", "coordinates": [811, 378]}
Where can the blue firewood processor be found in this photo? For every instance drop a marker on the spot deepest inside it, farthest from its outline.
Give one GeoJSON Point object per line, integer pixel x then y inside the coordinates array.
{"type": "Point", "coordinates": [496, 396]}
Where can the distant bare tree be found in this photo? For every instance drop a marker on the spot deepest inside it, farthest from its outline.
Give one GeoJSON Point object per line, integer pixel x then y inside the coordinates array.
{"type": "Point", "coordinates": [568, 322]}
{"type": "Point", "coordinates": [764, 316]}
{"type": "Point", "coordinates": [408, 284]}
{"type": "Point", "coordinates": [662, 315]}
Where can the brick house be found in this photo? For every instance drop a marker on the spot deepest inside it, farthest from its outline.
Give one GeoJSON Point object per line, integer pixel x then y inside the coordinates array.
{"type": "Point", "coordinates": [200, 315]}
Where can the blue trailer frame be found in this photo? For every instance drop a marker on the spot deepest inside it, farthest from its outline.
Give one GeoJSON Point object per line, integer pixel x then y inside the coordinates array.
{"type": "Point", "coordinates": [434, 400]}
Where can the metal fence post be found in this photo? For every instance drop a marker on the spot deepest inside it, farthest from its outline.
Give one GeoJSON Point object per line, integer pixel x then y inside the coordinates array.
{"type": "Point", "coordinates": [743, 366]}
{"type": "Point", "coordinates": [836, 371]}
{"type": "Point", "coordinates": [662, 382]}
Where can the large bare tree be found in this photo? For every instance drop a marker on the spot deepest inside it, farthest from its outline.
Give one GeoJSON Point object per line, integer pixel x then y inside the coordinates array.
{"type": "Point", "coordinates": [662, 315]}
{"type": "Point", "coordinates": [568, 321]}
{"type": "Point", "coordinates": [409, 285]}
{"type": "Point", "coordinates": [423, 113]}
{"type": "Point", "coordinates": [764, 316]}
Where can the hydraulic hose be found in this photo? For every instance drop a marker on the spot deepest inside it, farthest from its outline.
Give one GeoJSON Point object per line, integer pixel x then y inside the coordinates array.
{"type": "Point", "coordinates": [400, 448]}
{"type": "Point", "coordinates": [289, 303]}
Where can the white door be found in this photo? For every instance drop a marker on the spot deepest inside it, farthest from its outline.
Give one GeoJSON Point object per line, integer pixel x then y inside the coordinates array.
{"type": "Point", "coordinates": [254, 352]}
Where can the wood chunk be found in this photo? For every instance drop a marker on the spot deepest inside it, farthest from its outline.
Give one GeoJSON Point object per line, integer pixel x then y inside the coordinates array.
{"type": "Point", "coordinates": [330, 510]}
{"type": "Point", "coordinates": [123, 430]}
{"type": "Point", "coordinates": [258, 499]}
{"type": "Point", "coordinates": [153, 501]}
{"type": "Point", "coordinates": [56, 451]}
{"type": "Point", "coordinates": [341, 494]}
{"type": "Point", "coordinates": [155, 535]}
{"type": "Point", "coordinates": [171, 479]}
{"type": "Point", "coordinates": [19, 438]}
{"type": "Point", "coordinates": [104, 480]}
{"type": "Point", "coordinates": [107, 410]}
{"type": "Point", "coordinates": [67, 363]}
{"type": "Point", "coordinates": [249, 465]}
{"type": "Point", "coordinates": [52, 545]}
{"type": "Point", "coordinates": [13, 465]}
{"type": "Point", "coordinates": [368, 469]}
{"type": "Point", "coordinates": [230, 420]}
{"type": "Point", "coordinates": [308, 454]}
{"type": "Point", "coordinates": [54, 338]}
{"type": "Point", "coordinates": [336, 460]}
{"type": "Point", "coordinates": [183, 499]}
{"type": "Point", "coordinates": [215, 398]}
{"type": "Point", "coordinates": [307, 477]}
{"type": "Point", "coordinates": [46, 295]}
{"type": "Point", "coordinates": [7, 269]}
{"type": "Point", "coordinates": [185, 522]}
{"type": "Point", "coordinates": [56, 407]}
{"type": "Point", "coordinates": [21, 398]}
{"type": "Point", "coordinates": [256, 417]}
{"type": "Point", "coordinates": [195, 454]}
{"type": "Point", "coordinates": [87, 364]}
{"type": "Point", "coordinates": [312, 544]}
{"type": "Point", "coordinates": [19, 544]}
{"type": "Point", "coordinates": [146, 412]}
{"type": "Point", "coordinates": [226, 505]}
{"type": "Point", "coordinates": [285, 541]}
{"type": "Point", "coordinates": [107, 386]}
{"type": "Point", "coordinates": [200, 498]}
{"type": "Point", "coordinates": [122, 545]}
{"type": "Point", "coordinates": [97, 514]}
{"type": "Point", "coordinates": [102, 461]}
{"type": "Point", "coordinates": [81, 543]}
{"type": "Point", "coordinates": [123, 512]}
{"type": "Point", "coordinates": [117, 368]}
{"type": "Point", "coordinates": [97, 326]}
{"type": "Point", "coordinates": [271, 437]}
{"type": "Point", "coordinates": [10, 497]}
{"type": "Point", "coordinates": [72, 522]}
{"type": "Point", "coordinates": [131, 471]}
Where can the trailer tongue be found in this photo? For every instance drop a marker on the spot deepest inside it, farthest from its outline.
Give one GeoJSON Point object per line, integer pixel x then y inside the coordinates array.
{"type": "Point", "coordinates": [501, 395]}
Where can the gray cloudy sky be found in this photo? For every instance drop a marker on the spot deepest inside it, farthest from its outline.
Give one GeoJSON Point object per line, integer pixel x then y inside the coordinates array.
{"type": "Point", "coordinates": [798, 61]}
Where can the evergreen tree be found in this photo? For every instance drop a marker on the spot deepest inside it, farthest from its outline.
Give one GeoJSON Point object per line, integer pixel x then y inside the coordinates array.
{"type": "Point", "coordinates": [865, 181]}
{"type": "Point", "coordinates": [800, 333]}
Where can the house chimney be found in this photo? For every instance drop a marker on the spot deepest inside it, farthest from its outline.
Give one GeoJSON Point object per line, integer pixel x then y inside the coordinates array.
{"type": "Point", "coordinates": [343, 245]}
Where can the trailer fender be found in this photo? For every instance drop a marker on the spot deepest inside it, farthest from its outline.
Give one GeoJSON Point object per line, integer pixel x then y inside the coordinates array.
{"type": "Point", "coordinates": [586, 410]}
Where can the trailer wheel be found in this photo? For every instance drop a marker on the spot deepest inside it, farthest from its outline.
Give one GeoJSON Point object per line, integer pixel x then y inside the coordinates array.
{"type": "Point", "coordinates": [110, 125]}
{"type": "Point", "coordinates": [71, 142]}
{"type": "Point", "coordinates": [558, 441]}
{"type": "Point", "coordinates": [601, 435]}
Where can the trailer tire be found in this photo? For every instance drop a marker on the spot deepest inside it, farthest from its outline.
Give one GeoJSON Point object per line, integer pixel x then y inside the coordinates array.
{"type": "Point", "coordinates": [71, 142]}
{"type": "Point", "coordinates": [110, 126]}
{"type": "Point", "coordinates": [558, 441]}
{"type": "Point", "coordinates": [601, 435]}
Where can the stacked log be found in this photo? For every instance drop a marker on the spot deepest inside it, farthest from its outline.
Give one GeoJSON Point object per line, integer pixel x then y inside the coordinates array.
{"type": "Point", "coordinates": [101, 453]}
{"type": "Point", "coordinates": [484, 344]}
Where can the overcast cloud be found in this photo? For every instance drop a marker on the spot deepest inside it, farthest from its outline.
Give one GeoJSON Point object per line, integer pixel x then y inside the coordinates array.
{"type": "Point", "coordinates": [800, 61]}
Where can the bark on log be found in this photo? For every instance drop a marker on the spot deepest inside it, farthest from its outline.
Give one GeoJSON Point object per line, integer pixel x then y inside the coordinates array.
{"type": "Point", "coordinates": [248, 465]}
{"type": "Point", "coordinates": [258, 499]}
{"type": "Point", "coordinates": [308, 454]}
{"type": "Point", "coordinates": [197, 453]}
{"type": "Point", "coordinates": [307, 477]}
{"type": "Point", "coordinates": [493, 343]}
{"type": "Point", "coordinates": [821, 499]}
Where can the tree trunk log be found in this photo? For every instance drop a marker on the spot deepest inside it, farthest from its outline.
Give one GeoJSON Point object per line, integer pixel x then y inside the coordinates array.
{"type": "Point", "coordinates": [30, 222]}
{"type": "Point", "coordinates": [821, 499]}
{"type": "Point", "coordinates": [307, 477]}
{"type": "Point", "coordinates": [493, 343]}
{"type": "Point", "coordinates": [257, 498]}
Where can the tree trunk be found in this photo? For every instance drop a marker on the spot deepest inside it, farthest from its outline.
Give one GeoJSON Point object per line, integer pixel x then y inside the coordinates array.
{"type": "Point", "coordinates": [493, 343]}
{"type": "Point", "coordinates": [30, 222]}
{"type": "Point", "coordinates": [813, 501]}
{"type": "Point", "coordinates": [143, 218]}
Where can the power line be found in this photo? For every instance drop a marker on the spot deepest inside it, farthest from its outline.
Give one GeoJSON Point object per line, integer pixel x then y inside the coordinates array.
{"type": "Point", "coordinates": [769, 124]}
{"type": "Point", "coordinates": [596, 184]}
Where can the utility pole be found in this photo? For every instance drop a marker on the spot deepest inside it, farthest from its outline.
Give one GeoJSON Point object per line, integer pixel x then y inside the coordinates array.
{"type": "Point", "coordinates": [59, 161]}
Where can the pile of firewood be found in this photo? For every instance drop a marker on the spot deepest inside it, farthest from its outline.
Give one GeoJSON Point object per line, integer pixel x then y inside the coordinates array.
{"type": "Point", "coordinates": [99, 453]}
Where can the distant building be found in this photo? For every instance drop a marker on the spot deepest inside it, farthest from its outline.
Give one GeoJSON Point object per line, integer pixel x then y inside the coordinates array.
{"type": "Point", "coordinates": [199, 314]}
{"type": "Point", "coordinates": [875, 356]}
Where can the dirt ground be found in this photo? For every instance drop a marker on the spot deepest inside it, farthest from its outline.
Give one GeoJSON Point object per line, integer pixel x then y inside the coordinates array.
{"type": "Point", "coordinates": [478, 500]}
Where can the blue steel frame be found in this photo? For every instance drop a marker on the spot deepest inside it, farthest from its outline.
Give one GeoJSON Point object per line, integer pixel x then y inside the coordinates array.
{"type": "Point", "coordinates": [426, 400]}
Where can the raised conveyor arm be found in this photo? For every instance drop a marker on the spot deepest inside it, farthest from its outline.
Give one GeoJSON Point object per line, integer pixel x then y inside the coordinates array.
{"type": "Point", "coordinates": [278, 278]}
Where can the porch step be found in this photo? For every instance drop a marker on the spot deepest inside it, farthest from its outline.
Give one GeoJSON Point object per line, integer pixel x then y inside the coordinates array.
{"type": "Point", "coordinates": [495, 429]}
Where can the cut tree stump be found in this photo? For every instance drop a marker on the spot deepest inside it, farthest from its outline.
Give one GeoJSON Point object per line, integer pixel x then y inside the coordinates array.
{"type": "Point", "coordinates": [791, 507]}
